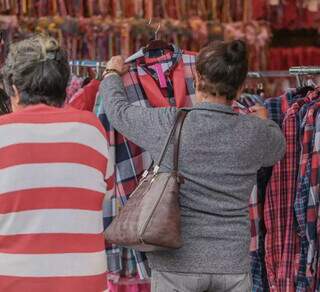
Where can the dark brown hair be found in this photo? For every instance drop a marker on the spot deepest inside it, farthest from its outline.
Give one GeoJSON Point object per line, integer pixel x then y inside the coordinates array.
{"type": "Point", "coordinates": [39, 68]}
{"type": "Point", "coordinates": [222, 68]}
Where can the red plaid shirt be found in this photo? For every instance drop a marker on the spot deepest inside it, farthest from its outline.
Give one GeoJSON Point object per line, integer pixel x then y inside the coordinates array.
{"type": "Point", "coordinates": [282, 241]}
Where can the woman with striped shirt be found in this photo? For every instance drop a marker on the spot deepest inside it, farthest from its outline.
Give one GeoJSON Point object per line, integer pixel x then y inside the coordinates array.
{"type": "Point", "coordinates": [53, 179]}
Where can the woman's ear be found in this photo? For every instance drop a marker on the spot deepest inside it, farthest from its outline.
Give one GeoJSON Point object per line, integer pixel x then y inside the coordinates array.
{"type": "Point", "coordinates": [15, 99]}
{"type": "Point", "coordinates": [240, 90]}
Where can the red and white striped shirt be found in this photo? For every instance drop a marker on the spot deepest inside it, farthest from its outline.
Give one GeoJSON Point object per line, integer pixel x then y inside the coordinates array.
{"type": "Point", "coordinates": [53, 164]}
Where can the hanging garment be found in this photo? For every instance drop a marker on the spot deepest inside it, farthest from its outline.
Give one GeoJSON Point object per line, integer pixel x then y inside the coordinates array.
{"type": "Point", "coordinates": [313, 229]}
{"type": "Point", "coordinates": [278, 106]}
{"type": "Point", "coordinates": [73, 86]}
{"type": "Point", "coordinates": [305, 201]}
{"type": "Point", "coordinates": [284, 260]}
{"type": "Point", "coordinates": [84, 98]}
{"type": "Point", "coordinates": [151, 81]}
{"type": "Point", "coordinates": [51, 200]}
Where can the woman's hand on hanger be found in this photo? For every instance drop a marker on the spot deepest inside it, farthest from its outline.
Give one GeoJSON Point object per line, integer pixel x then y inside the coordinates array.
{"type": "Point", "coordinates": [259, 111]}
{"type": "Point", "coordinates": [116, 65]}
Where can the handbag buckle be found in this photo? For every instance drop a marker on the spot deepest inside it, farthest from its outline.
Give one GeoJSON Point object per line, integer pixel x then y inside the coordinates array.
{"type": "Point", "coordinates": [156, 169]}
{"type": "Point", "coordinates": [145, 174]}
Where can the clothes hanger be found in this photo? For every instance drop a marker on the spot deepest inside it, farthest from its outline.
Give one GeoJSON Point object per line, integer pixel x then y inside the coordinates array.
{"type": "Point", "coordinates": [154, 44]}
{"type": "Point", "coordinates": [157, 44]}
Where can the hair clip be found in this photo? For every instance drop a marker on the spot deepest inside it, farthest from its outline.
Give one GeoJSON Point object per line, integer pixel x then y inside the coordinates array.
{"type": "Point", "coordinates": [51, 56]}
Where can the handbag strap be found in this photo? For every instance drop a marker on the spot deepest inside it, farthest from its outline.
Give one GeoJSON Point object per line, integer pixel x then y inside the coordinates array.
{"type": "Point", "coordinates": [174, 133]}
{"type": "Point", "coordinates": [176, 139]}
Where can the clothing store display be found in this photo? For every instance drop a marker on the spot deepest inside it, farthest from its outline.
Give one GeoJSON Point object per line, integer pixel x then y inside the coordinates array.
{"type": "Point", "coordinates": [150, 221]}
{"type": "Point", "coordinates": [291, 203]}
{"type": "Point", "coordinates": [147, 128]}
{"type": "Point", "coordinates": [53, 194]}
{"type": "Point", "coordinates": [281, 228]}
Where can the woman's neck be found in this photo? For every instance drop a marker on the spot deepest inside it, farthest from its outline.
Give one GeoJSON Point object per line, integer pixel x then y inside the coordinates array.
{"type": "Point", "coordinates": [213, 99]}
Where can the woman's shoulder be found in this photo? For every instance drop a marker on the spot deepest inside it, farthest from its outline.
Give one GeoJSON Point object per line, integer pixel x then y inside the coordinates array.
{"type": "Point", "coordinates": [253, 123]}
{"type": "Point", "coordinates": [86, 117]}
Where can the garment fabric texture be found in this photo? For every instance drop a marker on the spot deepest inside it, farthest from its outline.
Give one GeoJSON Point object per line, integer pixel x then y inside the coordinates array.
{"type": "Point", "coordinates": [287, 200]}
{"type": "Point", "coordinates": [143, 89]}
{"type": "Point", "coordinates": [214, 198]}
{"type": "Point", "coordinates": [165, 282]}
{"type": "Point", "coordinates": [85, 97]}
{"type": "Point", "coordinates": [74, 85]}
{"type": "Point", "coordinates": [53, 173]}
{"type": "Point", "coordinates": [313, 264]}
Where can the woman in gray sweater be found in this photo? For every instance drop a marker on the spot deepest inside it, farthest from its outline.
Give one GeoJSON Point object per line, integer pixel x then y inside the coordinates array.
{"type": "Point", "coordinates": [220, 155]}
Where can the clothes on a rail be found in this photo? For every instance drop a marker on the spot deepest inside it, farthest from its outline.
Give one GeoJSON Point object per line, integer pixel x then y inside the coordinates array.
{"type": "Point", "coordinates": [85, 97]}
{"type": "Point", "coordinates": [291, 206]}
{"type": "Point", "coordinates": [74, 85]}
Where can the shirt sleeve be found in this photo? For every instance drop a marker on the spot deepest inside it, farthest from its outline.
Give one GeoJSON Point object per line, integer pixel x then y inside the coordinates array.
{"type": "Point", "coordinates": [145, 127]}
{"type": "Point", "coordinates": [275, 144]}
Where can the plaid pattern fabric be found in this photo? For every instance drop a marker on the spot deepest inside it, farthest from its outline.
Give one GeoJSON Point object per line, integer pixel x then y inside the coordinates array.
{"type": "Point", "coordinates": [278, 106]}
{"type": "Point", "coordinates": [307, 133]}
{"type": "Point", "coordinates": [285, 248]}
{"type": "Point", "coordinates": [312, 270]}
{"type": "Point", "coordinates": [130, 161]}
{"type": "Point", "coordinates": [281, 242]}
{"type": "Point", "coordinates": [313, 210]}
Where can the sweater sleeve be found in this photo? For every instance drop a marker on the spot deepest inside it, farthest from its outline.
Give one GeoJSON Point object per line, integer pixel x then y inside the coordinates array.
{"type": "Point", "coordinates": [275, 144]}
{"type": "Point", "coordinates": [146, 127]}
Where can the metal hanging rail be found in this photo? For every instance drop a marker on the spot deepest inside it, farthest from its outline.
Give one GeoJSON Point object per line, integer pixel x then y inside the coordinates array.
{"type": "Point", "coordinates": [87, 64]}
{"type": "Point", "coordinates": [293, 71]}
{"type": "Point", "coordinates": [265, 74]}
{"type": "Point", "coordinates": [305, 70]}
{"type": "Point", "coordinates": [252, 74]}
{"type": "Point", "coordinates": [298, 71]}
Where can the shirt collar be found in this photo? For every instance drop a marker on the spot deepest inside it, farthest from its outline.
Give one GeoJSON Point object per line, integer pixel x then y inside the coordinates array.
{"type": "Point", "coordinates": [215, 107]}
{"type": "Point", "coordinates": [169, 61]}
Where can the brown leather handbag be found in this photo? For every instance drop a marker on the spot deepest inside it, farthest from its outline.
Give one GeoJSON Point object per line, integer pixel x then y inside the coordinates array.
{"type": "Point", "coordinates": [150, 220]}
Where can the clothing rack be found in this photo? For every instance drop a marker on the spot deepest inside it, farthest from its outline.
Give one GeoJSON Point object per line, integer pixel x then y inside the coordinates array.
{"type": "Point", "coordinates": [262, 74]}
{"type": "Point", "coordinates": [299, 70]}
{"type": "Point", "coordinates": [305, 70]}
{"type": "Point", "coordinates": [252, 74]}
{"type": "Point", "coordinates": [87, 64]}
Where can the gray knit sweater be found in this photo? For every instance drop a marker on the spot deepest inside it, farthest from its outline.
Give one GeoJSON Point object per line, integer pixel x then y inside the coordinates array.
{"type": "Point", "coordinates": [220, 154]}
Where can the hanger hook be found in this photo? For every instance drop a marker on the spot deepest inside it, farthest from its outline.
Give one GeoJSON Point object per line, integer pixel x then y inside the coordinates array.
{"type": "Point", "coordinates": [157, 30]}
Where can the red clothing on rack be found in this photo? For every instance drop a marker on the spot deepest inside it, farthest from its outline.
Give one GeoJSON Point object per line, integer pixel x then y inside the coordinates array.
{"type": "Point", "coordinates": [283, 243]}
{"type": "Point", "coordinates": [284, 58]}
{"type": "Point", "coordinates": [84, 99]}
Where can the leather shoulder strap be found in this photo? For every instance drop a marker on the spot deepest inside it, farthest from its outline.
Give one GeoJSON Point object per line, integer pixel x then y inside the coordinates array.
{"type": "Point", "coordinates": [174, 133]}
{"type": "Point", "coordinates": [176, 141]}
